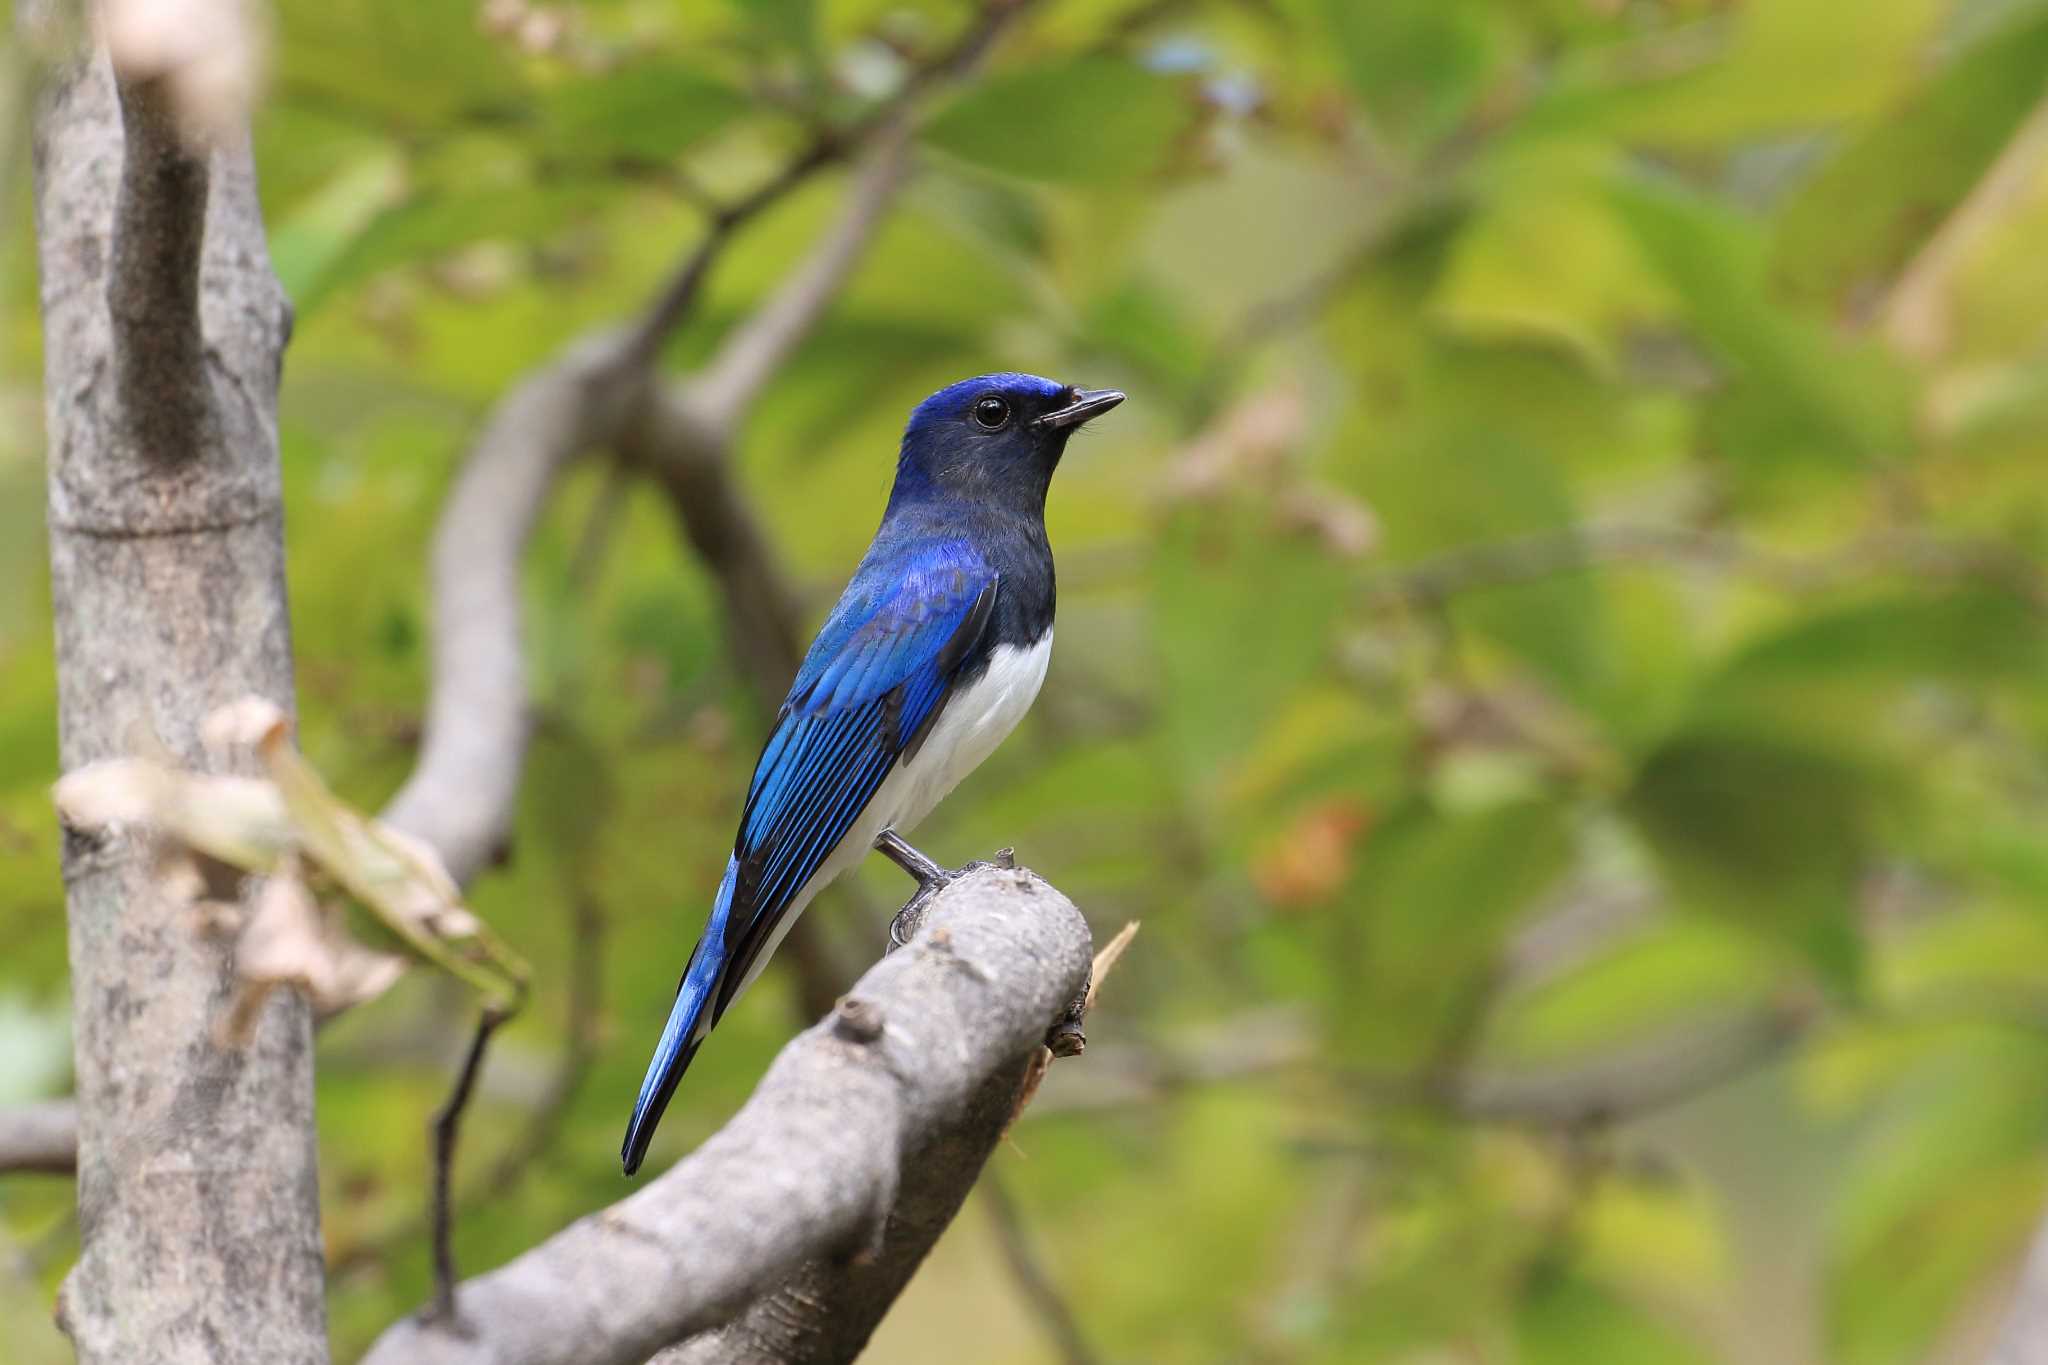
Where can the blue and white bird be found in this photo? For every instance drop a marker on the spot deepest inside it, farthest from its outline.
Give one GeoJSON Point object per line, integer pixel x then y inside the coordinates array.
{"type": "Point", "coordinates": [933, 654]}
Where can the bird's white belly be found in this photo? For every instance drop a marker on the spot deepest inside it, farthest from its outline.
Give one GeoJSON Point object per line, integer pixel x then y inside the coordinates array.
{"type": "Point", "coordinates": [974, 720]}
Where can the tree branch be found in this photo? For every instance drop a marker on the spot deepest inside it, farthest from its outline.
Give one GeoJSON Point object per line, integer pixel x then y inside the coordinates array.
{"type": "Point", "coordinates": [464, 785]}
{"type": "Point", "coordinates": [1530, 558]}
{"type": "Point", "coordinates": [163, 333]}
{"type": "Point", "coordinates": [1630, 1084]}
{"type": "Point", "coordinates": [849, 1158]}
{"type": "Point", "coordinates": [720, 394]}
{"type": "Point", "coordinates": [2024, 1340]}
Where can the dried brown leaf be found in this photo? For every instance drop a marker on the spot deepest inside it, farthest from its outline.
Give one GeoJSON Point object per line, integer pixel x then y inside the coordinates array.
{"type": "Point", "coordinates": [210, 54]}
{"type": "Point", "coordinates": [1250, 443]}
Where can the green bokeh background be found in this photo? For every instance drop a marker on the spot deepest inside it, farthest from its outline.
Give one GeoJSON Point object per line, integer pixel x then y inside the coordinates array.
{"type": "Point", "coordinates": [1552, 651]}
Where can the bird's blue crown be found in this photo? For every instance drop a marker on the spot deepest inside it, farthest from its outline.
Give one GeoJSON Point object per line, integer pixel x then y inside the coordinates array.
{"type": "Point", "coordinates": [950, 403]}
{"type": "Point", "coordinates": [979, 442]}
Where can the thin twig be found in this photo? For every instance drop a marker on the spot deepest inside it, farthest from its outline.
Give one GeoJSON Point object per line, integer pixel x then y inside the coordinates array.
{"type": "Point", "coordinates": [1030, 1274]}
{"type": "Point", "coordinates": [1917, 313]}
{"type": "Point", "coordinates": [447, 1127]}
{"type": "Point", "coordinates": [1525, 559]}
{"type": "Point", "coordinates": [830, 145]}
{"type": "Point", "coordinates": [721, 392]}
{"type": "Point", "coordinates": [1633, 1085]}
{"type": "Point", "coordinates": [544, 1124]}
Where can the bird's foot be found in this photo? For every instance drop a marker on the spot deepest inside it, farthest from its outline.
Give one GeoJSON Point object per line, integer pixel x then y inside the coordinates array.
{"type": "Point", "coordinates": [931, 880]}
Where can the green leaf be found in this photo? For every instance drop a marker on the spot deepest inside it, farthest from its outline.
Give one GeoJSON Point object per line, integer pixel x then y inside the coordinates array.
{"type": "Point", "coordinates": [1659, 1235]}
{"type": "Point", "coordinates": [1505, 487]}
{"type": "Point", "coordinates": [396, 64]}
{"type": "Point", "coordinates": [307, 245]}
{"type": "Point", "coordinates": [1566, 1320]}
{"type": "Point", "coordinates": [651, 110]}
{"type": "Point", "coordinates": [572, 797]}
{"type": "Point", "coordinates": [1755, 71]}
{"type": "Point", "coordinates": [1677, 971]}
{"type": "Point", "coordinates": [1999, 950]}
{"type": "Point", "coordinates": [1972, 633]}
{"type": "Point", "coordinates": [1417, 64]}
{"type": "Point", "coordinates": [1089, 120]}
{"type": "Point", "coordinates": [1833, 677]}
{"type": "Point", "coordinates": [1438, 892]}
{"type": "Point", "coordinates": [1544, 259]}
{"type": "Point", "coordinates": [792, 22]}
{"type": "Point", "coordinates": [1233, 600]}
{"type": "Point", "coordinates": [1876, 200]}
{"type": "Point", "coordinates": [1769, 835]}
{"type": "Point", "coordinates": [432, 224]}
{"type": "Point", "coordinates": [1945, 1187]}
{"type": "Point", "coordinates": [1143, 327]}
{"type": "Point", "coordinates": [1792, 394]}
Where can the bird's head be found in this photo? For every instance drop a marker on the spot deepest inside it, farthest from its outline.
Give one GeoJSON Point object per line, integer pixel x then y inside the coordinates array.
{"type": "Point", "coordinates": [993, 440]}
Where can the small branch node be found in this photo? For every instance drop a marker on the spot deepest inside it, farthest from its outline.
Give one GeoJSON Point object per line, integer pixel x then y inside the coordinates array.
{"type": "Point", "coordinates": [1065, 1038]}
{"type": "Point", "coordinates": [857, 1020]}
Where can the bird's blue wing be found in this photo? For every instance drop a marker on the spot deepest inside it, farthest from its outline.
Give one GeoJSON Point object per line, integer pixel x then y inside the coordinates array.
{"type": "Point", "coordinates": [874, 680]}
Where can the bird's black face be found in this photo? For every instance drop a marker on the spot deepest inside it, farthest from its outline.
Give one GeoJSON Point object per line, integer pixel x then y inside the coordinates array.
{"type": "Point", "coordinates": [994, 440]}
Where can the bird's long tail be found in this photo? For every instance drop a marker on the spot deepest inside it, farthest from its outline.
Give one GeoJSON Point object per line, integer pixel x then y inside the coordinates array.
{"type": "Point", "coordinates": [689, 1022]}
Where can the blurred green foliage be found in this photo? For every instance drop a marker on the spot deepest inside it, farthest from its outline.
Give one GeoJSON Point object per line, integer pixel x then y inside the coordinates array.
{"type": "Point", "coordinates": [1553, 650]}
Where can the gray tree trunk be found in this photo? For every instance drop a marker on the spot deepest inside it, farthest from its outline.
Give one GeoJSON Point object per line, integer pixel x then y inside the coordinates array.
{"type": "Point", "coordinates": [164, 327]}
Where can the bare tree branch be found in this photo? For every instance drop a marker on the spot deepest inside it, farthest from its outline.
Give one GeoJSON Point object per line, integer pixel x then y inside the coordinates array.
{"type": "Point", "coordinates": [827, 1311]}
{"type": "Point", "coordinates": [1633, 1082]}
{"type": "Point", "coordinates": [719, 395]}
{"type": "Point", "coordinates": [862, 1137]}
{"type": "Point", "coordinates": [462, 790]}
{"type": "Point", "coordinates": [1529, 558]}
{"type": "Point", "coordinates": [683, 433]}
{"type": "Point", "coordinates": [39, 1137]}
{"type": "Point", "coordinates": [762, 621]}
{"type": "Point", "coordinates": [163, 332]}
{"type": "Point", "coordinates": [2024, 1340]}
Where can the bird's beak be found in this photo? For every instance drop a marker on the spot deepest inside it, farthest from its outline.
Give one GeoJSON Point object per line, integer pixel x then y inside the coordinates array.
{"type": "Point", "coordinates": [1086, 403]}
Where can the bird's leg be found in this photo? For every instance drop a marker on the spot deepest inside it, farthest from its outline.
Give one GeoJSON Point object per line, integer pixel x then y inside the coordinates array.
{"type": "Point", "coordinates": [890, 845]}
{"type": "Point", "coordinates": [931, 880]}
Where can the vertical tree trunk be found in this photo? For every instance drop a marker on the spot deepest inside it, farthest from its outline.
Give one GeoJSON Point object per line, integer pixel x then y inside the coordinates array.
{"type": "Point", "coordinates": [164, 328]}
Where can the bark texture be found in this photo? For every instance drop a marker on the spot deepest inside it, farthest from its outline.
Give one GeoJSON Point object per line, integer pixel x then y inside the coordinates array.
{"type": "Point", "coordinates": [164, 327]}
{"type": "Point", "coordinates": [787, 1235]}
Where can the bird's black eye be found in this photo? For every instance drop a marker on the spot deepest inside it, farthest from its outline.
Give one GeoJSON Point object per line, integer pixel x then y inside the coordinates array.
{"type": "Point", "coordinates": [991, 413]}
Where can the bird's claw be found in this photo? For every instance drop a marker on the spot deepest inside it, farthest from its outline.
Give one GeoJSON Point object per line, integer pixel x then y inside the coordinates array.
{"type": "Point", "coordinates": [931, 880]}
{"type": "Point", "coordinates": [903, 927]}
